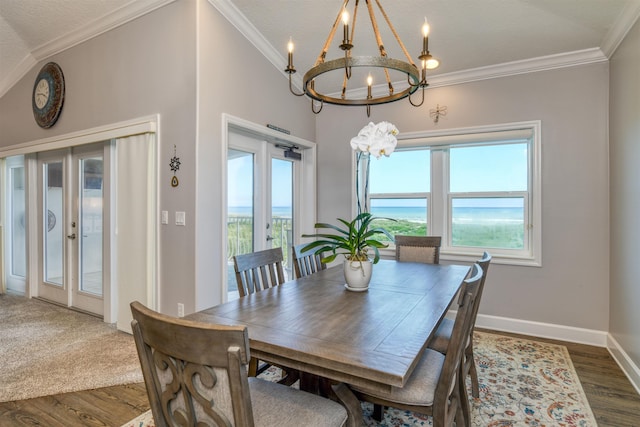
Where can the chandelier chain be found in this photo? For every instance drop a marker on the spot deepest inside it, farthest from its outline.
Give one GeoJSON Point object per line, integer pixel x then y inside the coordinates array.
{"type": "Point", "coordinates": [395, 34]}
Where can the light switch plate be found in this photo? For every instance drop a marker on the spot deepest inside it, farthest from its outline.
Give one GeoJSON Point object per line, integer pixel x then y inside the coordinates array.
{"type": "Point", "coordinates": [180, 218]}
{"type": "Point", "coordinates": [165, 217]}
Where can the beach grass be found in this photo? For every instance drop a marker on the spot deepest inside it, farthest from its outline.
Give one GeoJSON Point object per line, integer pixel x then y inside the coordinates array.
{"type": "Point", "coordinates": [504, 235]}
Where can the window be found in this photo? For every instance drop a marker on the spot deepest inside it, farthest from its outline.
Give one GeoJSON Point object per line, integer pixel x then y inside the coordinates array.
{"type": "Point", "coordinates": [399, 188]}
{"type": "Point", "coordinates": [477, 188]}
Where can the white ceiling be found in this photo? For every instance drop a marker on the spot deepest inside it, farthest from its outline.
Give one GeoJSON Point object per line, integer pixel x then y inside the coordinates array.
{"type": "Point", "coordinates": [493, 36]}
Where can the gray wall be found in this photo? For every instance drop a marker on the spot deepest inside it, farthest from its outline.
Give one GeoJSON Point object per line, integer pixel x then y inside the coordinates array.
{"type": "Point", "coordinates": [572, 286]}
{"type": "Point", "coordinates": [151, 66]}
{"type": "Point", "coordinates": [624, 140]}
{"type": "Point", "coordinates": [234, 78]}
{"type": "Point", "coordinates": [144, 67]}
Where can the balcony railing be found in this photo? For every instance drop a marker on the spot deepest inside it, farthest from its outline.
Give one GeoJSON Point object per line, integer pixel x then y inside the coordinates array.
{"type": "Point", "coordinates": [240, 241]}
{"type": "Point", "coordinates": [240, 235]}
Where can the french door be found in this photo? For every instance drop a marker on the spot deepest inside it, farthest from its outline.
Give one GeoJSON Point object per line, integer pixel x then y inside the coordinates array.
{"type": "Point", "coordinates": [70, 227]}
{"type": "Point", "coordinates": [262, 201]}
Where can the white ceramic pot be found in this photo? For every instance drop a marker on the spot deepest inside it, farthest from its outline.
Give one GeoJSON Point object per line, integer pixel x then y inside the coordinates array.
{"type": "Point", "coordinates": [357, 273]}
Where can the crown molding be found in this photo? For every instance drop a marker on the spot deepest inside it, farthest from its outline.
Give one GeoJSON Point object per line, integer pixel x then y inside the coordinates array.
{"type": "Point", "coordinates": [587, 56]}
{"type": "Point", "coordinates": [133, 10]}
{"type": "Point", "coordinates": [98, 26]}
{"type": "Point", "coordinates": [91, 29]}
{"type": "Point", "coordinates": [255, 37]}
{"type": "Point", "coordinates": [17, 73]}
{"type": "Point", "coordinates": [618, 31]}
{"type": "Point", "coordinates": [532, 65]}
{"type": "Point", "coordinates": [543, 63]}
{"type": "Point", "coordinates": [251, 33]}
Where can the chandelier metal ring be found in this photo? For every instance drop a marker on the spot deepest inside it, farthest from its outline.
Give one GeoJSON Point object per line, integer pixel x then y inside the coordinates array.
{"type": "Point", "coordinates": [362, 61]}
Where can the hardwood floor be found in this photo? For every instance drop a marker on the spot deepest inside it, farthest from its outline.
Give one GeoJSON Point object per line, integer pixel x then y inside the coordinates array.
{"type": "Point", "coordinates": [613, 399]}
{"type": "Point", "coordinates": [110, 406]}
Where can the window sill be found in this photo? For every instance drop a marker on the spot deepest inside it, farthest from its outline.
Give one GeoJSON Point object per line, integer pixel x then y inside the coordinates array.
{"type": "Point", "coordinates": [453, 258]}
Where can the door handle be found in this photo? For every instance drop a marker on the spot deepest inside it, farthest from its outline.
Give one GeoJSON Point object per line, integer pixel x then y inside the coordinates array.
{"type": "Point", "coordinates": [71, 236]}
{"type": "Point", "coordinates": [269, 238]}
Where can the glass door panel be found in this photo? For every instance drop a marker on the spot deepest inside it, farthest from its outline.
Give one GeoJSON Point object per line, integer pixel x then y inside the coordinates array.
{"type": "Point", "coordinates": [86, 249]}
{"type": "Point", "coordinates": [91, 225]}
{"type": "Point", "coordinates": [15, 232]}
{"type": "Point", "coordinates": [18, 237]}
{"type": "Point", "coordinates": [240, 203]}
{"type": "Point", "coordinates": [281, 234]}
{"type": "Point", "coordinates": [53, 224]}
{"type": "Point", "coordinates": [52, 227]}
{"type": "Point", "coordinates": [240, 210]}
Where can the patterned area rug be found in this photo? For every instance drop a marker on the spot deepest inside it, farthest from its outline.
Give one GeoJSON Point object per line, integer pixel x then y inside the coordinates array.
{"type": "Point", "coordinates": [522, 383]}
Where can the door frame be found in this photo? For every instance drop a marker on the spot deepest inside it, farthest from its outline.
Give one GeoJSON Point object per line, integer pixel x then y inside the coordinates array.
{"type": "Point", "coordinates": [305, 207]}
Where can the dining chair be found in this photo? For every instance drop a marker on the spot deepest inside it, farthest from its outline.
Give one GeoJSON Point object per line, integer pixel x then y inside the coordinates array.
{"type": "Point", "coordinates": [259, 270]}
{"type": "Point", "coordinates": [195, 375]}
{"type": "Point", "coordinates": [436, 386]}
{"type": "Point", "coordinates": [255, 272]}
{"type": "Point", "coordinates": [425, 249]}
{"type": "Point", "coordinates": [306, 262]}
{"type": "Point", "coordinates": [442, 337]}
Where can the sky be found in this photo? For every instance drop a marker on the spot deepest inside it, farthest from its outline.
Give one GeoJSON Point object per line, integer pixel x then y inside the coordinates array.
{"type": "Point", "coordinates": [240, 181]}
{"type": "Point", "coordinates": [481, 168]}
{"type": "Point", "coordinates": [473, 169]}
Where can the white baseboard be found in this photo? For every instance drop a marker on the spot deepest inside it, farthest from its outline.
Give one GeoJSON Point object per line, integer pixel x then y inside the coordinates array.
{"type": "Point", "coordinates": [630, 369]}
{"type": "Point", "coordinates": [543, 330]}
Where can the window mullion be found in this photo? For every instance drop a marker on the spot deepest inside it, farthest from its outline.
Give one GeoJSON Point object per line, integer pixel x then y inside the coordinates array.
{"type": "Point", "coordinates": [439, 187]}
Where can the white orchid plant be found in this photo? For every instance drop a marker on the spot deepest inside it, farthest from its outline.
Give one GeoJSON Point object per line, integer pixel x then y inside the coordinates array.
{"type": "Point", "coordinates": [353, 238]}
{"type": "Point", "coordinates": [373, 140]}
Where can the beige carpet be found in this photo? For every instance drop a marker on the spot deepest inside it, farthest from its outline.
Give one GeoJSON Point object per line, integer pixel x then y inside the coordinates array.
{"type": "Point", "coordinates": [46, 349]}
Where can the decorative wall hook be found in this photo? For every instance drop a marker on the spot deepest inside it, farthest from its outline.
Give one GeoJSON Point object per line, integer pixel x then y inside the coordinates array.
{"type": "Point", "coordinates": [437, 112]}
{"type": "Point", "coordinates": [174, 164]}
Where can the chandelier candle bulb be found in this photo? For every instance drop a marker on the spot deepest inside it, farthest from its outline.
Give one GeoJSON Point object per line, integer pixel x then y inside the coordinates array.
{"type": "Point", "coordinates": [346, 43]}
{"type": "Point", "coordinates": [425, 37]}
{"type": "Point", "coordinates": [345, 22]}
{"type": "Point", "coordinates": [290, 49]}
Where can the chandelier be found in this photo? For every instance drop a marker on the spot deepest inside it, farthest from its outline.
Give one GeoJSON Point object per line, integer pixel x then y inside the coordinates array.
{"type": "Point", "coordinates": [380, 65]}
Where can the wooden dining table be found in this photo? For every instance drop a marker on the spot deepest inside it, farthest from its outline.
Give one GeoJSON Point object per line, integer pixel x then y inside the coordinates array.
{"type": "Point", "coordinates": [372, 338]}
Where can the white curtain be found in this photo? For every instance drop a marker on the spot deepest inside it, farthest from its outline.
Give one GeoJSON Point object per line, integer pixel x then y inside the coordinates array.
{"type": "Point", "coordinates": [135, 225]}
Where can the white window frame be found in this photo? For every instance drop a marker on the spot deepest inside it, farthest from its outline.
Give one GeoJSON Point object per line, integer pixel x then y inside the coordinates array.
{"type": "Point", "coordinates": [439, 198]}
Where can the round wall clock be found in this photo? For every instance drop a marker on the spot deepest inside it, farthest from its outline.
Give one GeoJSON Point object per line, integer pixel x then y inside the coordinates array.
{"type": "Point", "coordinates": [48, 95]}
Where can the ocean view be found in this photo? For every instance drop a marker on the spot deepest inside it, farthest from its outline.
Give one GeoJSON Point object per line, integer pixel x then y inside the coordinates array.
{"type": "Point", "coordinates": [489, 227]}
{"type": "Point", "coordinates": [418, 214]}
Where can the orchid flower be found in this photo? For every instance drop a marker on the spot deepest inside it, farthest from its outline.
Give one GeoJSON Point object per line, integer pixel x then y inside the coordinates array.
{"type": "Point", "coordinates": [376, 139]}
